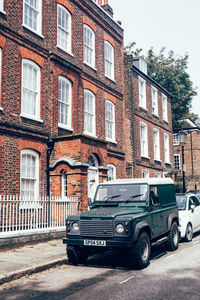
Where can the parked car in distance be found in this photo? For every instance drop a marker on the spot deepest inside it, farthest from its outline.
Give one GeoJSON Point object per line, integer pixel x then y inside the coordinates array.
{"type": "Point", "coordinates": [129, 215]}
{"type": "Point", "coordinates": [189, 215]}
{"type": "Point", "coordinates": [196, 192]}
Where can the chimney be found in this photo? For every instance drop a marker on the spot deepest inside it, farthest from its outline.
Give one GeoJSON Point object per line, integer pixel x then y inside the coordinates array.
{"type": "Point", "coordinates": [104, 4]}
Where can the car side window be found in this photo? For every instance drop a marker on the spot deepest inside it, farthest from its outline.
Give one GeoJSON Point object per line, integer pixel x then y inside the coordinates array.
{"type": "Point", "coordinates": [154, 198]}
{"type": "Point", "coordinates": [195, 201]}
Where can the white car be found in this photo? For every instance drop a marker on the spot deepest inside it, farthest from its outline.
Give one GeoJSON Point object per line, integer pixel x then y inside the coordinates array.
{"type": "Point", "coordinates": [189, 215]}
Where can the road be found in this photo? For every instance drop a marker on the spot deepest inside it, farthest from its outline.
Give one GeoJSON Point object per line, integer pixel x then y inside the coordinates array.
{"type": "Point", "coordinates": [170, 275]}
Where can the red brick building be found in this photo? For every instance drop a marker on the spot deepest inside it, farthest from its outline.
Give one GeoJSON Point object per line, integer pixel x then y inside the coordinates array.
{"type": "Point", "coordinates": [148, 123]}
{"type": "Point", "coordinates": [61, 100]}
{"type": "Point", "coordinates": [191, 154]}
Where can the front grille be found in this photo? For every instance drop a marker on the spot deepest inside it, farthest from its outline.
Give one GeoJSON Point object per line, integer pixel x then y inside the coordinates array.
{"type": "Point", "coordinates": [97, 228]}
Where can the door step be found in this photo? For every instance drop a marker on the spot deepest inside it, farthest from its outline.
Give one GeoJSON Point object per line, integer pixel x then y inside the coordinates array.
{"type": "Point", "coordinates": [160, 241]}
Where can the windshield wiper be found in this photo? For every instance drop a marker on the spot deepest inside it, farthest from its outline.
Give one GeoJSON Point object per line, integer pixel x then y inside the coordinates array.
{"type": "Point", "coordinates": [107, 198]}
{"type": "Point", "coordinates": [134, 196]}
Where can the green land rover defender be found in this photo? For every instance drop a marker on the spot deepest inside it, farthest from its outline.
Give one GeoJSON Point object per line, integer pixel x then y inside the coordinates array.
{"type": "Point", "coordinates": [128, 215]}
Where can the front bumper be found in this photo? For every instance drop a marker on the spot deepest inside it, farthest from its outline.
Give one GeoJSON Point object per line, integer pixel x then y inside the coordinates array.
{"type": "Point", "coordinates": [109, 243]}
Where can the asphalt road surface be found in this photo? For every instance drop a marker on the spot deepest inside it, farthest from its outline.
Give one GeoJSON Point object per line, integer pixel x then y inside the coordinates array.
{"type": "Point", "coordinates": [170, 275]}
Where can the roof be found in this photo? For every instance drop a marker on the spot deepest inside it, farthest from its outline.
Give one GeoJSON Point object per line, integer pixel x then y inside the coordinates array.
{"type": "Point", "coordinates": [150, 181]}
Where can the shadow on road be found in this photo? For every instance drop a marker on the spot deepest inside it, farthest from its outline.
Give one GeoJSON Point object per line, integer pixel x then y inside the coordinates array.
{"type": "Point", "coordinates": [120, 259]}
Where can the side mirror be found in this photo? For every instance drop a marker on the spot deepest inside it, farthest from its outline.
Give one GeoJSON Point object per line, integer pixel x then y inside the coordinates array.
{"type": "Point", "coordinates": [90, 202]}
{"type": "Point", "coordinates": [192, 207]}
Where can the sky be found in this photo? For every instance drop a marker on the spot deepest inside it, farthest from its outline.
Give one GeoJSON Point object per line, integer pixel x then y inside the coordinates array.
{"type": "Point", "coordinates": [174, 24]}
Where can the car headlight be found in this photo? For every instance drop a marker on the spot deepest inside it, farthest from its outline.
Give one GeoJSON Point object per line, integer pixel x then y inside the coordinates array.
{"type": "Point", "coordinates": [75, 226]}
{"type": "Point", "coordinates": [119, 228]}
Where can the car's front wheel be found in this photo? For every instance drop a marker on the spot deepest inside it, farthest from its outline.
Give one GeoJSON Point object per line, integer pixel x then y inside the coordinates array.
{"type": "Point", "coordinates": [76, 255]}
{"type": "Point", "coordinates": [173, 237]}
{"type": "Point", "coordinates": [188, 233]}
{"type": "Point", "coordinates": [140, 253]}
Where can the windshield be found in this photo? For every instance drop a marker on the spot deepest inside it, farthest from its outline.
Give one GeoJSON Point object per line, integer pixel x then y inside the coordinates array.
{"type": "Point", "coordinates": [122, 192]}
{"type": "Point", "coordinates": [181, 202]}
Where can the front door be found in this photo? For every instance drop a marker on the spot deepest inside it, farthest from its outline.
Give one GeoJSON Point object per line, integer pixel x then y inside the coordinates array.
{"type": "Point", "coordinates": [93, 181]}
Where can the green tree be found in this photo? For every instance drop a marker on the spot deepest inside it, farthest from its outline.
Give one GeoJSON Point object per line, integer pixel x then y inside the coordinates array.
{"type": "Point", "coordinates": [171, 73]}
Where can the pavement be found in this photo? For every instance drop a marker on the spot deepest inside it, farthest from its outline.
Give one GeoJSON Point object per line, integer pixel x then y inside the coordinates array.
{"type": "Point", "coordinates": [31, 258]}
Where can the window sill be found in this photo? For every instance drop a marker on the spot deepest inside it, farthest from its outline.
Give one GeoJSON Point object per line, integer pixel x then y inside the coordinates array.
{"type": "Point", "coordinates": [166, 121]}
{"type": "Point", "coordinates": [155, 116]}
{"type": "Point", "coordinates": [167, 163]}
{"type": "Point", "coordinates": [31, 118]}
{"type": "Point", "coordinates": [145, 157]}
{"type": "Point", "coordinates": [2, 12]}
{"type": "Point", "coordinates": [110, 78]}
{"type": "Point", "coordinates": [143, 108]}
{"type": "Point", "coordinates": [111, 141]}
{"type": "Point", "coordinates": [64, 50]}
{"type": "Point", "coordinates": [33, 31]}
{"type": "Point", "coordinates": [1, 108]}
{"type": "Point", "coordinates": [90, 134]}
{"type": "Point", "coordinates": [157, 160]}
{"type": "Point", "coordinates": [90, 66]}
{"type": "Point", "coordinates": [60, 125]}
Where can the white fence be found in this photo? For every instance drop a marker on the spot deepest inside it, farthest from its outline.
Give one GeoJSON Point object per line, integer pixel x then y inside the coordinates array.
{"type": "Point", "coordinates": [19, 216]}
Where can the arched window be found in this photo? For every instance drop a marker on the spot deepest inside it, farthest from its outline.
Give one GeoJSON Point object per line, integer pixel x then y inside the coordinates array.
{"type": "Point", "coordinates": [88, 46]}
{"type": "Point", "coordinates": [111, 172]}
{"type": "Point", "coordinates": [32, 15]}
{"type": "Point", "coordinates": [110, 121]}
{"type": "Point", "coordinates": [92, 161]}
{"type": "Point", "coordinates": [109, 60]}
{"type": "Point", "coordinates": [89, 113]}
{"type": "Point", "coordinates": [29, 175]}
{"type": "Point", "coordinates": [63, 28]}
{"type": "Point", "coordinates": [30, 99]}
{"type": "Point", "coordinates": [64, 102]}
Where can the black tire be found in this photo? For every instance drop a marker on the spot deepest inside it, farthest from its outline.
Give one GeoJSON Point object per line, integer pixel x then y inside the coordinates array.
{"type": "Point", "coordinates": [72, 255]}
{"type": "Point", "coordinates": [140, 253]}
{"type": "Point", "coordinates": [188, 233]}
{"type": "Point", "coordinates": [173, 237]}
{"type": "Point", "coordinates": [76, 255]}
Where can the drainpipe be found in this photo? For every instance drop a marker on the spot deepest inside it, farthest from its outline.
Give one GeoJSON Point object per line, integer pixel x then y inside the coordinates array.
{"type": "Point", "coordinates": [191, 153]}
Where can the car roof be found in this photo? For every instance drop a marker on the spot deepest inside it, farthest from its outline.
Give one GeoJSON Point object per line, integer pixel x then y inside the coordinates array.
{"type": "Point", "coordinates": [150, 181]}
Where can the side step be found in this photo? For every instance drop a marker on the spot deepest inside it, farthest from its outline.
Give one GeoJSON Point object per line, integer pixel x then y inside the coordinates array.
{"type": "Point", "coordinates": [160, 241]}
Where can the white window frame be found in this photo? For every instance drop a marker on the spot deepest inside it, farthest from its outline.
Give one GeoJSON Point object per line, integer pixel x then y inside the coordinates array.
{"type": "Point", "coordinates": [109, 60]}
{"type": "Point", "coordinates": [35, 179]}
{"type": "Point", "coordinates": [64, 185]}
{"type": "Point", "coordinates": [156, 144]}
{"type": "Point", "coordinates": [166, 148]}
{"type": "Point", "coordinates": [144, 140]}
{"type": "Point", "coordinates": [176, 140]}
{"type": "Point", "coordinates": [111, 172]}
{"type": "Point", "coordinates": [89, 113]}
{"type": "Point", "coordinates": [164, 108]}
{"type": "Point", "coordinates": [1, 6]}
{"type": "Point", "coordinates": [175, 162]}
{"type": "Point", "coordinates": [26, 91]}
{"type": "Point", "coordinates": [38, 11]}
{"type": "Point", "coordinates": [154, 93]}
{"type": "Point", "coordinates": [157, 175]}
{"type": "Point", "coordinates": [88, 46]}
{"type": "Point", "coordinates": [64, 31]}
{"type": "Point", "coordinates": [145, 174]}
{"type": "Point", "coordinates": [142, 92]}
{"type": "Point", "coordinates": [110, 120]}
{"type": "Point", "coordinates": [64, 103]}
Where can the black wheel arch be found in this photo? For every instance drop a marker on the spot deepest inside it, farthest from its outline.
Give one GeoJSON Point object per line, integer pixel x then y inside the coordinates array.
{"type": "Point", "coordinates": [172, 218]}
{"type": "Point", "coordinates": [141, 227]}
